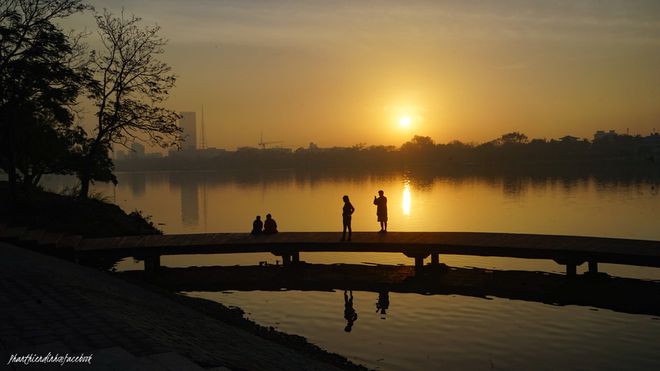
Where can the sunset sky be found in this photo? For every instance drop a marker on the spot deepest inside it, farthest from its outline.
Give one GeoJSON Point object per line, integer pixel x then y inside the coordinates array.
{"type": "Point", "coordinates": [348, 72]}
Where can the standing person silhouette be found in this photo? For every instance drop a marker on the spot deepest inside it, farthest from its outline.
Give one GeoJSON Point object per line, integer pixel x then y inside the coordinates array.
{"type": "Point", "coordinates": [350, 315]}
{"type": "Point", "coordinates": [346, 213]}
{"type": "Point", "coordinates": [270, 226]}
{"type": "Point", "coordinates": [381, 210]}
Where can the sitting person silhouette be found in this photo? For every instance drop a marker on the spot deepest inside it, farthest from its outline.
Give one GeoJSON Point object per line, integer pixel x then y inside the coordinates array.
{"type": "Point", "coordinates": [349, 312]}
{"type": "Point", "coordinates": [270, 226]}
{"type": "Point", "coordinates": [257, 225]}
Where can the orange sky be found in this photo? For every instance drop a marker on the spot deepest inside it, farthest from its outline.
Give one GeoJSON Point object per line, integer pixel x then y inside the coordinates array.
{"type": "Point", "coordinates": [342, 73]}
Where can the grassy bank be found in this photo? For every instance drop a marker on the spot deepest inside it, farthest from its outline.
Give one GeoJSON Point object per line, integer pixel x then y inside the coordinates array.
{"type": "Point", "coordinates": [67, 214]}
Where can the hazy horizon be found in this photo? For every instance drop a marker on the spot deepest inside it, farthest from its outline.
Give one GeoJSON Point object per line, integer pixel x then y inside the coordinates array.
{"type": "Point", "coordinates": [342, 73]}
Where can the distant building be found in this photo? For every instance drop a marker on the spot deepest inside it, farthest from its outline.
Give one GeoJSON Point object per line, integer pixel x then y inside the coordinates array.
{"type": "Point", "coordinates": [210, 152]}
{"type": "Point", "coordinates": [120, 155]}
{"type": "Point", "coordinates": [601, 135]}
{"type": "Point", "coordinates": [653, 139]}
{"type": "Point", "coordinates": [569, 139]}
{"type": "Point", "coordinates": [137, 149]}
{"type": "Point", "coordinates": [153, 155]}
{"type": "Point", "coordinates": [279, 150]}
{"type": "Point", "coordinates": [188, 123]}
{"type": "Point", "coordinates": [247, 149]}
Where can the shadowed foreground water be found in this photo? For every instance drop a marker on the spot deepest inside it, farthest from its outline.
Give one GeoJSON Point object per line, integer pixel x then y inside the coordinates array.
{"type": "Point", "coordinates": [449, 318]}
{"type": "Point", "coordinates": [453, 332]}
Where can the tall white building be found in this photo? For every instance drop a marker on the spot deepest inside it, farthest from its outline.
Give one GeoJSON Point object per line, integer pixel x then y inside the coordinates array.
{"type": "Point", "coordinates": [188, 123]}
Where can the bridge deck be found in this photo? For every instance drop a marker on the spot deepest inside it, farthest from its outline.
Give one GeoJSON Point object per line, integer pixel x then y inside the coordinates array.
{"type": "Point", "coordinates": [563, 249]}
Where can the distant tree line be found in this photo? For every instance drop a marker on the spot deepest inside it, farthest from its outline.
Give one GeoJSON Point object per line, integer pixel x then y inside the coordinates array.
{"type": "Point", "coordinates": [515, 149]}
{"type": "Point", "coordinates": [510, 151]}
{"type": "Point", "coordinates": [44, 74]}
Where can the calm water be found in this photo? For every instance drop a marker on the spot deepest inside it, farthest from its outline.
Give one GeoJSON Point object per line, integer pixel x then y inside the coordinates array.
{"type": "Point", "coordinates": [421, 332]}
{"type": "Point", "coordinates": [458, 333]}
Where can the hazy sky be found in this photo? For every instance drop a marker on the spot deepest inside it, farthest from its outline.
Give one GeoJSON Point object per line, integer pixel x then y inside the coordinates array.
{"type": "Point", "coordinates": [346, 72]}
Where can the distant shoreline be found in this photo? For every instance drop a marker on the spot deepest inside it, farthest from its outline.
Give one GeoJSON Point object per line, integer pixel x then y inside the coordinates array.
{"type": "Point", "coordinates": [510, 152]}
{"type": "Point", "coordinates": [615, 170]}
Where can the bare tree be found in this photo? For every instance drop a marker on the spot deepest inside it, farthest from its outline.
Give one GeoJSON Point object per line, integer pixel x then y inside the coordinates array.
{"type": "Point", "coordinates": [129, 87]}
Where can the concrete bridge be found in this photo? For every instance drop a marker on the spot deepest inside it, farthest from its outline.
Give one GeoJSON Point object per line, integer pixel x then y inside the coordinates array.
{"type": "Point", "coordinates": [570, 251]}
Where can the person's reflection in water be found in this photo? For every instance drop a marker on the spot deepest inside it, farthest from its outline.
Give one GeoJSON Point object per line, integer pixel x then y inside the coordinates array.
{"type": "Point", "coordinates": [383, 303]}
{"type": "Point", "coordinates": [349, 313]}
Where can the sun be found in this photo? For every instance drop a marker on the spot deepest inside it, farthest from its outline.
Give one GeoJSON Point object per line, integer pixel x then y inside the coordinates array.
{"type": "Point", "coordinates": [405, 121]}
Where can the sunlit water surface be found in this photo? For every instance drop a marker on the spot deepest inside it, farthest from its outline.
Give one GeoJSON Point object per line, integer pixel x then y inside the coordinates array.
{"type": "Point", "coordinates": [420, 332]}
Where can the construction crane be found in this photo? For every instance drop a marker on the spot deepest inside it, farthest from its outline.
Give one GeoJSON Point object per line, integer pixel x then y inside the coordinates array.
{"type": "Point", "coordinates": [263, 144]}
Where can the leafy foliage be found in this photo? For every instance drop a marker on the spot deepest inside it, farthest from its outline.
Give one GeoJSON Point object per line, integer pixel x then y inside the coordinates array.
{"type": "Point", "coordinates": [41, 75]}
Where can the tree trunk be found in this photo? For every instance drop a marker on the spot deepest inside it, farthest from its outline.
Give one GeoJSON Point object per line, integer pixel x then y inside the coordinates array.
{"type": "Point", "coordinates": [84, 184]}
{"type": "Point", "coordinates": [88, 164]}
{"type": "Point", "coordinates": [27, 183]}
{"type": "Point", "coordinates": [11, 180]}
{"type": "Point", "coordinates": [85, 174]}
{"type": "Point", "coordinates": [30, 181]}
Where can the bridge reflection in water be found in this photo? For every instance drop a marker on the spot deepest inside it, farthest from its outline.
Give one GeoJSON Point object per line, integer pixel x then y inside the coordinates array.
{"type": "Point", "coordinates": [596, 290]}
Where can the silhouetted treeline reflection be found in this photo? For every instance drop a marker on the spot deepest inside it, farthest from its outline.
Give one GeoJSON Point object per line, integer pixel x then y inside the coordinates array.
{"type": "Point", "coordinates": [511, 182]}
{"type": "Point", "coordinates": [511, 153]}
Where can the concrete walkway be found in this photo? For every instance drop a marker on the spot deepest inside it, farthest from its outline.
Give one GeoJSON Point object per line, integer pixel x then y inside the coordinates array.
{"type": "Point", "coordinates": [52, 305]}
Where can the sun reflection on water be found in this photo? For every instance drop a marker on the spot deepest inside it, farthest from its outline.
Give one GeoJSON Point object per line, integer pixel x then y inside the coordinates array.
{"type": "Point", "coordinates": [406, 197]}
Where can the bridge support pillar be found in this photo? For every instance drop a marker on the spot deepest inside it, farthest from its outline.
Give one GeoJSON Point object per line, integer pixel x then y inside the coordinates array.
{"type": "Point", "coordinates": [151, 264]}
{"type": "Point", "coordinates": [419, 263]}
{"type": "Point", "coordinates": [419, 259]}
{"type": "Point", "coordinates": [593, 267]}
{"type": "Point", "coordinates": [288, 257]}
{"type": "Point", "coordinates": [571, 264]}
{"type": "Point", "coordinates": [571, 269]}
{"type": "Point", "coordinates": [435, 258]}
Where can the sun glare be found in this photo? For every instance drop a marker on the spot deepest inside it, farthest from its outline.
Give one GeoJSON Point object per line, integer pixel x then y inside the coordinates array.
{"type": "Point", "coordinates": [404, 121]}
{"type": "Point", "coordinates": [406, 198]}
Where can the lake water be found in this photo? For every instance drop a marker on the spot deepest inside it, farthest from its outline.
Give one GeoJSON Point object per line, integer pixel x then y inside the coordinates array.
{"type": "Point", "coordinates": [421, 331]}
